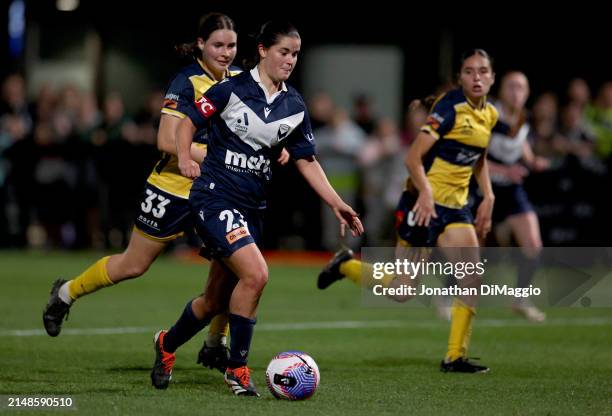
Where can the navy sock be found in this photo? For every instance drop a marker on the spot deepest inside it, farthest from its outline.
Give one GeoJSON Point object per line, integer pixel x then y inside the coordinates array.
{"type": "Point", "coordinates": [184, 329]}
{"type": "Point", "coordinates": [526, 270]}
{"type": "Point", "coordinates": [241, 333]}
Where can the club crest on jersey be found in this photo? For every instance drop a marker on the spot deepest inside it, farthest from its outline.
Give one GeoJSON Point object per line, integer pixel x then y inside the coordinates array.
{"type": "Point", "coordinates": [283, 129]}
{"type": "Point", "coordinates": [205, 107]}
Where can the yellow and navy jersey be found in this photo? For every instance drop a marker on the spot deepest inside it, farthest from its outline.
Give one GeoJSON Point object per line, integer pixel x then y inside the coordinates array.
{"type": "Point", "coordinates": [462, 131]}
{"type": "Point", "coordinates": [189, 84]}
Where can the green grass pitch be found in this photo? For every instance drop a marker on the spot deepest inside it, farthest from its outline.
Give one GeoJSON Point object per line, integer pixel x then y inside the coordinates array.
{"type": "Point", "coordinates": [372, 360]}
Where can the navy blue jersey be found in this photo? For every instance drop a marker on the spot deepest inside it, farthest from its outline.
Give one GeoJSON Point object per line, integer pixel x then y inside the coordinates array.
{"type": "Point", "coordinates": [246, 130]}
{"type": "Point", "coordinates": [186, 86]}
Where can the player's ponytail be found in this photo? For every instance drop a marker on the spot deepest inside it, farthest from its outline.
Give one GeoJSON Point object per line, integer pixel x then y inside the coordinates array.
{"type": "Point", "coordinates": [187, 49]}
{"type": "Point", "coordinates": [425, 103]}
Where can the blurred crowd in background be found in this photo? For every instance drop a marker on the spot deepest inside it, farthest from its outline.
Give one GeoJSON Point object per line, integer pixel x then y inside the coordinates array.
{"type": "Point", "coordinates": [73, 166]}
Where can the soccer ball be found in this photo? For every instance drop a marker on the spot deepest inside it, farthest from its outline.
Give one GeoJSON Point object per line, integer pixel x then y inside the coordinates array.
{"type": "Point", "coordinates": [292, 375]}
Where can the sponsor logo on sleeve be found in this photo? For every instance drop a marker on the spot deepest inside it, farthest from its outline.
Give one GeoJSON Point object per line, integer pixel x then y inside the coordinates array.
{"type": "Point", "coordinates": [205, 107]}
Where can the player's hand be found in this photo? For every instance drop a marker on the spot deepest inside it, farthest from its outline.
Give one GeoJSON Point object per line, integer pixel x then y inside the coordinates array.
{"type": "Point", "coordinates": [189, 168]}
{"type": "Point", "coordinates": [424, 209]}
{"type": "Point", "coordinates": [347, 216]}
{"type": "Point", "coordinates": [483, 217]}
{"type": "Point", "coordinates": [540, 164]}
{"type": "Point", "coordinates": [516, 173]}
{"type": "Point", "coordinates": [284, 157]}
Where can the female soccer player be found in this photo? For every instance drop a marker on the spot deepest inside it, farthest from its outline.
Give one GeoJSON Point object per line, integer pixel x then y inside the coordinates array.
{"type": "Point", "coordinates": [509, 159]}
{"type": "Point", "coordinates": [164, 211]}
{"type": "Point", "coordinates": [433, 211]}
{"type": "Point", "coordinates": [250, 116]}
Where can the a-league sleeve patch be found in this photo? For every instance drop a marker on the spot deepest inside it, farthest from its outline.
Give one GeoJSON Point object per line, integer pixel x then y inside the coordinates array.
{"type": "Point", "coordinates": [205, 107]}
{"type": "Point", "coordinates": [434, 121]}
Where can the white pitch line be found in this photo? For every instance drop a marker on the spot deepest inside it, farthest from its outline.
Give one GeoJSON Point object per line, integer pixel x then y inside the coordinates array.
{"type": "Point", "coordinates": [305, 326]}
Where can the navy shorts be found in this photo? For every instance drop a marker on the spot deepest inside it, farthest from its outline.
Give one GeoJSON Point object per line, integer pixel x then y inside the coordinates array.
{"type": "Point", "coordinates": [510, 200]}
{"type": "Point", "coordinates": [162, 216]}
{"type": "Point", "coordinates": [419, 236]}
{"type": "Point", "coordinates": [224, 226]}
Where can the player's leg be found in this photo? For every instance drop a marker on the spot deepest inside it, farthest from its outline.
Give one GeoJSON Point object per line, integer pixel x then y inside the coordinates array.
{"type": "Point", "coordinates": [160, 220]}
{"type": "Point", "coordinates": [526, 230]}
{"type": "Point", "coordinates": [228, 236]}
{"type": "Point", "coordinates": [343, 265]}
{"type": "Point", "coordinates": [107, 271]}
{"type": "Point", "coordinates": [249, 266]}
{"type": "Point", "coordinates": [237, 287]}
{"type": "Point", "coordinates": [460, 243]}
{"type": "Point", "coordinates": [215, 353]}
{"type": "Point", "coordinates": [197, 313]}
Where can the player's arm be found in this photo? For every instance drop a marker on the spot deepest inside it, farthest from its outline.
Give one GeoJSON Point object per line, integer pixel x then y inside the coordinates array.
{"type": "Point", "coordinates": [485, 209]}
{"type": "Point", "coordinates": [424, 207]}
{"type": "Point", "coordinates": [535, 163]}
{"type": "Point", "coordinates": [198, 114]}
{"type": "Point", "coordinates": [311, 170]}
{"type": "Point", "coordinates": [184, 140]}
{"type": "Point", "coordinates": [515, 172]}
{"type": "Point", "coordinates": [166, 138]}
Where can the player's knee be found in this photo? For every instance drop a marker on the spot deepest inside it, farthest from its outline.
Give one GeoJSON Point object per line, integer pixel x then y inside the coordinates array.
{"type": "Point", "coordinates": [257, 278]}
{"type": "Point", "coordinates": [532, 249]}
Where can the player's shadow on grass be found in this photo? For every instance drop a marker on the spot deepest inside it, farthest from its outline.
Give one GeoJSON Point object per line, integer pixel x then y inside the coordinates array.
{"type": "Point", "coordinates": [131, 368]}
{"type": "Point", "coordinates": [181, 376]}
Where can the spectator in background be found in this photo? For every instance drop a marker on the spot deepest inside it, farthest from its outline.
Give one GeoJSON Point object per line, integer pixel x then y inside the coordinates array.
{"type": "Point", "coordinates": [600, 119]}
{"type": "Point", "coordinates": [578, 93]}
{"type": "Point", "coordinates": [116, 160]}
{"type": "Point", "coordinates": [54, 182]}
{"type": "Point", "coordinates": [44, 105]}
{"type": "Point", "coordinates": [88, 122]}
{"type": "Point", "coordinates": [15, 125]}
{"type": "Point", "coordinates": [414, 118]}
{"type": "Point", "coordinates": [575, 137]}
{"type": "Point", "coordinates": [363, 114]}
{"type": "Point", "coordinates": [544, 125]}
{"type": "Point", "coordinates": [69, 102]}
{"type": "Point", "coordinates": [339, 142]}
{"type": "Point", "coordinates": [378, 159]}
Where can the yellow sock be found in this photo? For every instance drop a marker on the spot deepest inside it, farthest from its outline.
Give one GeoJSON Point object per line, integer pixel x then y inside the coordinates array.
{"type": "Point", "coordinates": [92, 279]}
{"type": "Point", "coordinates": [354, 269]}
{"type": "Point", "coordinates": [460, 331]}
{"type": "Point", "coordinates": [218, 330]}
{"type": "Point", "coordinates": [351, 269]}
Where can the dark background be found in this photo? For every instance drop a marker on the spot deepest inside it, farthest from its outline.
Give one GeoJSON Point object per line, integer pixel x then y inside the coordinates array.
{"type": "Point", "coordinates": [551, 45]}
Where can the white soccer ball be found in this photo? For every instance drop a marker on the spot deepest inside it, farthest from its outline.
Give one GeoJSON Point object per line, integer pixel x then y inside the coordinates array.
{"type": "Point", "coordinates": [292, 375]}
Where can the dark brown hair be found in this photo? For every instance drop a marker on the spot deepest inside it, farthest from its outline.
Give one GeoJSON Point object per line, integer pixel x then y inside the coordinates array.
{"type": "Point", "coordinates": [208, 24]}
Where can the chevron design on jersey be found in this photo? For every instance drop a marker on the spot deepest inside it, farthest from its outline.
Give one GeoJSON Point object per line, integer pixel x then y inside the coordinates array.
{"type": "Point", "coordinates": [254, 131]}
